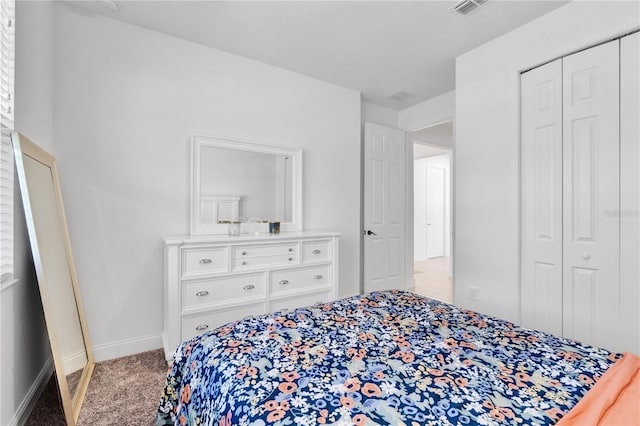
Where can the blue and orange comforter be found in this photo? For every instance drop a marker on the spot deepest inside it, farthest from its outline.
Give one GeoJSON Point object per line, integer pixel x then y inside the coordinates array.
{"type": "Point", "coordinates": [386, 358]}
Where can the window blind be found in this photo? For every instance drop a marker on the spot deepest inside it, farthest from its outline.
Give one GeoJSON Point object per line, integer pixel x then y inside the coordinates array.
{"type": "Point", "coordinates": [7, 69]}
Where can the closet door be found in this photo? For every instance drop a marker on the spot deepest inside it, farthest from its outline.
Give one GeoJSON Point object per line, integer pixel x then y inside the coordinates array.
{"type": "Point", "coordinates": [591, 199]}
{"type": "Point", "coordinates": [630, 192]}
{"type": "Point", "coordinates": [542, 198]}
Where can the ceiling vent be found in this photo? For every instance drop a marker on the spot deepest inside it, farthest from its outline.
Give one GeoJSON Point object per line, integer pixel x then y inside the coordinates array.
{"type": "Point", "coordinates": [400, 96]}
{"type": "Point", "coordinates": [111, 6]}
{"type": "Point", "coordinates": [467, 6]}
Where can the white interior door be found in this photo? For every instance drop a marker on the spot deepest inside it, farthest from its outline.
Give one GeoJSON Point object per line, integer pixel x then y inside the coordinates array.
{"type": "Point", "coordinates": [542, 198]}
{"type": "Point", "coordinates": [435, 211]}
{"type": "Point", "coordinates": [384, 204]}
{"type": "Point", "coordinates": [591, 200]}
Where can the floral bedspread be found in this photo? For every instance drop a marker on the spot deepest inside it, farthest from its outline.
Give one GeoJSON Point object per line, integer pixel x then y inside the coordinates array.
{"type": "Point", "coordinates": [386, 358]}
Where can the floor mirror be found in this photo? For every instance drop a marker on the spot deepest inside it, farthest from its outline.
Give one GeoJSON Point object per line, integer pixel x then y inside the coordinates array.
{"type": "Point", "coordinates": [55, 270]}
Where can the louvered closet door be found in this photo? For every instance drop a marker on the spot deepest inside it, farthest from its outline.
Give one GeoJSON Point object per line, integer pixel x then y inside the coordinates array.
{"type": "Point", "coordinates": [542, 198]}
{"type": "Point", "coordinates": [591, 201]}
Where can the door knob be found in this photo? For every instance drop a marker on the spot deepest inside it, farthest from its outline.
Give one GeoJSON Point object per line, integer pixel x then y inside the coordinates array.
{"type": "Point", "coordinates": [369, 232]}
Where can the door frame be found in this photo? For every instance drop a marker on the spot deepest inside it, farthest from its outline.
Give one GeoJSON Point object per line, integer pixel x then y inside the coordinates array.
{"type": "Point", "coordinates": [409, 207]}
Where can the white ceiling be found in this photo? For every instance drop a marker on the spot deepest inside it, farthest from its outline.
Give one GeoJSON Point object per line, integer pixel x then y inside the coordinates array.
{"type": "Point", "coordinates": [422, 151]}
{"type": "Point", "coordinates": [440, 134]}
{"type": "Point", "coordinates": [378, 48]}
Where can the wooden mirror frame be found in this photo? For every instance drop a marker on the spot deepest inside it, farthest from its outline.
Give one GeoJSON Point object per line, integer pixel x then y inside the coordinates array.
{"type": "Point", "coordinates": [200, 142]}
{"type": "Point", "coordinates": [23, 148]}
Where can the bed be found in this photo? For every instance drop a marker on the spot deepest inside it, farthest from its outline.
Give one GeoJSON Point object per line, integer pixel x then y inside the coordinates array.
{"type": "Point", "coordinates": [387, 358]}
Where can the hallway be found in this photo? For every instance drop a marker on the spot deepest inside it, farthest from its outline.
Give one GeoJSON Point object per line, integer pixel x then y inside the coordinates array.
{"type": "Point", "coordinates": [432, 279]}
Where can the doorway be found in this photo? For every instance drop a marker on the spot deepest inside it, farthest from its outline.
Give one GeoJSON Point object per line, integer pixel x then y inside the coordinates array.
{"type": "Point", "coordinates": [432, 157]}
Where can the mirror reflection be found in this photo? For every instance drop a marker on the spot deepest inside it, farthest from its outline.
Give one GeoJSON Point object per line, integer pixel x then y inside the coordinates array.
{"type": "Point", "coordinates": [238, 184]}
{"type": "Point", "coordinates": [260, 184]}
{"type": "Point", "coordinates": [53, 256]}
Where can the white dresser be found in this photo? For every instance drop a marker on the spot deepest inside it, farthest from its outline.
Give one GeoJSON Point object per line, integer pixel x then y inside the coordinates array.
{"type": "Point", "coordinates": [213, 280]}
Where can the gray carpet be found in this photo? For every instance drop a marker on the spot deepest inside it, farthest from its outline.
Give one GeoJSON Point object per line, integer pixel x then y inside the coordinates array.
{"type": "Point", "coordinates": [123, 391]}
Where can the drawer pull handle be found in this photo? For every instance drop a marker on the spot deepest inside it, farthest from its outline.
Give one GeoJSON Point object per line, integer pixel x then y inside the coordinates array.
{"type": "Point", "coordinates": [317, 277]}
{"type": "Point", "coordinates": [202, 293]}
{"type": "Point", "coordinates": [290, 259]}
{"type": "Point", "coordinates": [249, 287]}
{"type": "Point", "coordinates": [316, 251]}
{"type": "Point", "coordinates": [284, 282]}
{"type": "Point", "coordinates": [290, 249]}
{"type": "Point", "coordinates": [244, 253]}
{"type": "Point", "coordinates": [244, 263]}
{"type": "Point", "coordinates": [202, 327]}
{"type": "Point", "coordinates": [205, 261]}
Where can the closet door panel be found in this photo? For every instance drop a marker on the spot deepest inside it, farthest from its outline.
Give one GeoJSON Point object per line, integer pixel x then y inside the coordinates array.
{"type": "Point", "coordinates": [630, 192]}
{"type": "Point", "coordinates": [541, 152]}
{"type": "Point", "coordinates": [581, 295]}
{"type": "Point", "coordinates": [591, 197]}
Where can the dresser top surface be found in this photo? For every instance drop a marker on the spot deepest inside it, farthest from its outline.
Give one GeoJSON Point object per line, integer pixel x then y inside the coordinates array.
{"type": "Point", "coordinates": [260, 237]}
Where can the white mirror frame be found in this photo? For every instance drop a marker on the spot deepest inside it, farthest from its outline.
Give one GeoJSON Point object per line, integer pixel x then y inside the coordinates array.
{"type": "Point", "coordinates": [200, 142]}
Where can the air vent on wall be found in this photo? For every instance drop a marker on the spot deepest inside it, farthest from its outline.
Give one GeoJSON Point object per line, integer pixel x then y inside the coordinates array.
{"type": "Point", "coordinates": [467, 6]}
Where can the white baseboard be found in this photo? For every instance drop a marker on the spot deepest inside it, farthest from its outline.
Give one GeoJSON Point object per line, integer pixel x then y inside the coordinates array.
{"type": "Point", "coordinates": [26, 406]}
{"type": "Point", "coordinates": [4, 285]}
{"type": "Point", "coordinates": [126, 347]}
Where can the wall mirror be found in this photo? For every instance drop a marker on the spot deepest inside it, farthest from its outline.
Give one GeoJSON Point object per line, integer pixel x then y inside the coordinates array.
{"type": "Point", "coordinates": [250, 183]}
{"type": "Point", "coordinates": [55, 270]}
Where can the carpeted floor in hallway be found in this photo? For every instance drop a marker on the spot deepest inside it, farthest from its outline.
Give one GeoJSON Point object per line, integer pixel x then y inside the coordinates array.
{"type": "Point", "coordinates": [123, 391]}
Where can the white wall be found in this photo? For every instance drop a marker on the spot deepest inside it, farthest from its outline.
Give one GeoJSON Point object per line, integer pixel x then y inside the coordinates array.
{"type": "Point", "coordinates": [419, 209]}
{"type": "Point", "coordinates": [487, 144]}
{"type": "Point", "coordinates": [25, 347]}
{"type": "Point", "coordinates": [127, 101]}
{"type": "Point", "coordinates": [432, 111]}
{"type": "Point", "coordinates": [379, 115]}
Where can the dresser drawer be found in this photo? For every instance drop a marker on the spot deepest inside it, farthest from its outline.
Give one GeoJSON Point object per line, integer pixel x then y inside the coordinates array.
{"type": "Point", "coordinates": [299, 279]}
{"type": "Point", "coordinates": [221, 290]}
{"type": "Point", "coordinates": [240, 264]}
{"type": "Point", "coordinates": [292, 303]}
{"type": "Point", "coordinates": [209, 260]}
{"type": "Point", "coordinates": [316, 251]}
{"type": "Point", "coordinates": [194, 325]}
{"type": "Point", "coordinates": [265, 250]}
